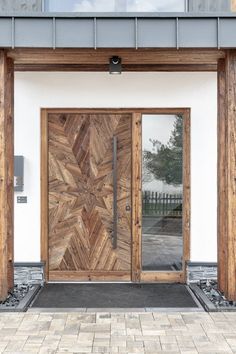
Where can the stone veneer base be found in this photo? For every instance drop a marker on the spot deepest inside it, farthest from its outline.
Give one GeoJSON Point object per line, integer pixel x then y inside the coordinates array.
{"type": "Point", "coordinates": [29, 273]}
{"type": "Point", "coordinates": [197, 271]}
{"type": "Point", "coordinates": [33, 273]}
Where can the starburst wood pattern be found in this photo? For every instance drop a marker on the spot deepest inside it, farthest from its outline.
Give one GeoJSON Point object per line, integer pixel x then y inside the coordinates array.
{"type": "Point", "coordinates": [80, 202]}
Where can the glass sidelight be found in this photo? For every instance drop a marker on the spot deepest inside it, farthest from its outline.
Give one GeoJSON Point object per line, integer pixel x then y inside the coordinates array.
{"type": "Point", "coordinates": [162, 192]}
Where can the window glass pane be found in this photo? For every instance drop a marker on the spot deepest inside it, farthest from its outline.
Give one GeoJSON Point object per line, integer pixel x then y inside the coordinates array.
{"type": "Point", "coordinates": [162, 192]}
{"type": "Point", "coordinates": [114, 5]}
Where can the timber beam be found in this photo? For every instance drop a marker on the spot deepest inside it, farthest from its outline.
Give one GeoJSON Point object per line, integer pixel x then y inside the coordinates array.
{"type": "Point", "coordinates": [227, 175]}
{"type": "Point", "coordinates": [6, 173]}
{"type": "Point", "coordinates": [132, 59]}
{"type": "Point", "coordinates": [125, 67]}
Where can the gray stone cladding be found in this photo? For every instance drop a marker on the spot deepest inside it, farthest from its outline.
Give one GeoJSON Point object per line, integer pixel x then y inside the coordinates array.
{"type": "Point", "coordinates": [34, 273]}
{"type": "Point", "coordinates": [201, 271]}
{"type": "Point", "coordinates": [29, 274]}
{"type": "Point", "coordinates": [20, 5]}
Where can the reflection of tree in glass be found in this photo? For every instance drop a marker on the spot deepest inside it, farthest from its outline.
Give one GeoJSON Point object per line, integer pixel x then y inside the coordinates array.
{"type": "Point", "coordinates": [165, 161]}
{"type": "Point", "coordinates": [146, 175]}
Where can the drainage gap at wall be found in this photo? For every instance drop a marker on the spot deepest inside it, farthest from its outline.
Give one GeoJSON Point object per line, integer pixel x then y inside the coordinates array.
{"type": "Point", "coordinates": [19, 298]}
{"type": "Point", "coordinates": [210, 297]}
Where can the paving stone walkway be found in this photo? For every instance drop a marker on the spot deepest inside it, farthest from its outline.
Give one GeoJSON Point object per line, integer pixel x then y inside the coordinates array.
{"type": "Point", "coordinates": [117, 332]}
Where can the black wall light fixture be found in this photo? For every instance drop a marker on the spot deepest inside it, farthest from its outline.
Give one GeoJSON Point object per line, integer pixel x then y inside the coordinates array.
{"type": "Point", "coordinates": [115, 66]}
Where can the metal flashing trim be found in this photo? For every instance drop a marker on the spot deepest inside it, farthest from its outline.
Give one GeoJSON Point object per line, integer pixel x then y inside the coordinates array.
{"type": "Point", "coordinates": [119, 14]}
{"type": "Point", "coordinates": [203, 299]}
{"type": "Point", "coordinates": [13, 32]}
{"type": "Point", "coordinates": [54, 33]}
{"type": "Point", "coordinates": [106, 30]}
{"type": "Point", "coordinates": [29, 264]}
{"type": "Point", "coordinates": [95, 32]}
{"type": "Point", "coordinates": [218, 33]}
{"type": "Point", "coordinates": [177, 33]}
{"type": "Point", "coordinates": [201, 264]}
{"type": "Point", "coordinates": [136, 33]}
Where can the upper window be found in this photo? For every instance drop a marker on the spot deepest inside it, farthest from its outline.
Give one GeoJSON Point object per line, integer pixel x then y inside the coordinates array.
{"type": "Point", "coordinates": [115, 5]}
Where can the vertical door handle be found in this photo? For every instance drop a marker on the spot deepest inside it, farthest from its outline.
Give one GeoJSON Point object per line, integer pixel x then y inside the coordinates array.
{"type": "Point", "coordinates": [114, 170]}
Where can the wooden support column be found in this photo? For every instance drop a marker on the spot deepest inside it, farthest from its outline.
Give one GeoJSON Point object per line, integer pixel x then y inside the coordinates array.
{"type": "Point", "coordinates": [6, 173]}
{"type": "Point", "coordinates": [227, 175]}
{"type": "Point", "coordinates": [221, 178]}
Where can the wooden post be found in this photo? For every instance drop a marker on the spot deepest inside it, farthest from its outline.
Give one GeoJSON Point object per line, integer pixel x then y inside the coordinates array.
{"type": "Point", "coordinates": [221, 179]}
{"type": "Point", "coordinates": [227, 175]}
{"type": "Point", "coordinates": [6, 173]}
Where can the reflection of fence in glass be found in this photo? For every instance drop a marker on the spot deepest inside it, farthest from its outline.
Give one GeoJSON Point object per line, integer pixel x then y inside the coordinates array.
{"type": "Point", "coordinates": [161, 204]}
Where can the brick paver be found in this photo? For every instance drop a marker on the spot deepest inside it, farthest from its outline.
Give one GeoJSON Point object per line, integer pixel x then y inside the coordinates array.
{"type": "Point", "coordinates": [116, 332]}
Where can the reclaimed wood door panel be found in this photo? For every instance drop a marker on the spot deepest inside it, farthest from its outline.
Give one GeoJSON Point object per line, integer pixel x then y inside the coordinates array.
{"type": "Point", "coordinates": [80, 196]}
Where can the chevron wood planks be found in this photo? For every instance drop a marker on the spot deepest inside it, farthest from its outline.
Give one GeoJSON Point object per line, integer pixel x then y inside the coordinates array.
{"type": "Point", "coordinates": [80, 196]}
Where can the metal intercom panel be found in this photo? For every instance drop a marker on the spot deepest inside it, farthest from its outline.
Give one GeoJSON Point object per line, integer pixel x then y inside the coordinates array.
{"type": "Point", "coordinates": [18, 173]}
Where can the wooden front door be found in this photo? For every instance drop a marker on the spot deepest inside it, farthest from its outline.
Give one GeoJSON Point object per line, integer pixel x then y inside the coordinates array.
{"type": "Point", "coordinates": [89, 196]}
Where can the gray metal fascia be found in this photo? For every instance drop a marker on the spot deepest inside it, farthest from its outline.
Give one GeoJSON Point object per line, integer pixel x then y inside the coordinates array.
{"type": "Point", "coordinates": [117, 31]}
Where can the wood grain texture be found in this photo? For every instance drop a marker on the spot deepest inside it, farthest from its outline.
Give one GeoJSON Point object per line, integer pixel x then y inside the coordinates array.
{"type": "Point", "coordinates": [227, 176]}
{"type": "Point", "coordinates": [136, 196]}
{"type": "Point", "coordinates": [221, 179]}
{"type": "Point", "coordinates": [130, 110]}
{"type": "Point", "coordinates": [33, 56]}
{"type": "Point", "coordinates": [10, 169]}
{"type": "Point", "coordinates": [89, 276]}
{"type": "Point", "coordinates": [162, 277]}
{"type": "Point", "coordinates": [230, 167]}
{"type": "Point", "coordinates": [136, 192]}
{"type": "Point", "coordinates": [44, 191]}
{"type": "Point", "coordinates": [6, 174]}
{"type": "Point", "coordinates": [81, 192]}
{"type": "Point", "coordinates": [125, 67]}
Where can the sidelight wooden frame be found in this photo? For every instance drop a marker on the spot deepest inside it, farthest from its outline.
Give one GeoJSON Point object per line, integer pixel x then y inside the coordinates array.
{"type": "Point", "coordinates": [137, 275]}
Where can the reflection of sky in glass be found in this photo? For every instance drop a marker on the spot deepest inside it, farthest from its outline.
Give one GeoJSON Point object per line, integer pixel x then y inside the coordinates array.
{"type": "Point", "coordinates": [159, 128]}
{"type": "Point", "coordinates": [156, 127]}
{"type": "Point", "coordinates": [115, 5]}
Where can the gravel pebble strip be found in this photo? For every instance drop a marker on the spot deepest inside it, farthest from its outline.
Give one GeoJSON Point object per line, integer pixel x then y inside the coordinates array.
{"type": "Point", "coordinates": [15, 296]}
{"type": "Point", "coordinates": [209, 287]}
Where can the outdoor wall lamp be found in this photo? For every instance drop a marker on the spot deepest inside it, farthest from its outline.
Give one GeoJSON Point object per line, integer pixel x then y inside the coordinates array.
{"type": "Point", "coordinates": [115, 66]}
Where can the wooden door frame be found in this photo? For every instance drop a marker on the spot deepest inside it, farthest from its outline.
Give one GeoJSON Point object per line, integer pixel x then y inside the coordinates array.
{"type": "Point", "coordinates": [137, 274]}
{"type": "Point", "coordinates": [158, 276]}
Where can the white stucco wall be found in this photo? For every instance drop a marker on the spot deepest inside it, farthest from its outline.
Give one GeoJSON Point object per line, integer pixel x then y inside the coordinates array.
{"type": "Point", "coordinates": [195, 90]}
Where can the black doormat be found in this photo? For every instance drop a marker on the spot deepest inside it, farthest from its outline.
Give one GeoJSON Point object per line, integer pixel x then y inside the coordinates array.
{"type": "Point", "coordinates": [114, 295]}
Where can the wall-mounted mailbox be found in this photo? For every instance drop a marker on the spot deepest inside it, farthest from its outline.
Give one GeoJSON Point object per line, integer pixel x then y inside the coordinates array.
{"type": "Point", "coordinates": [18, 173]}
